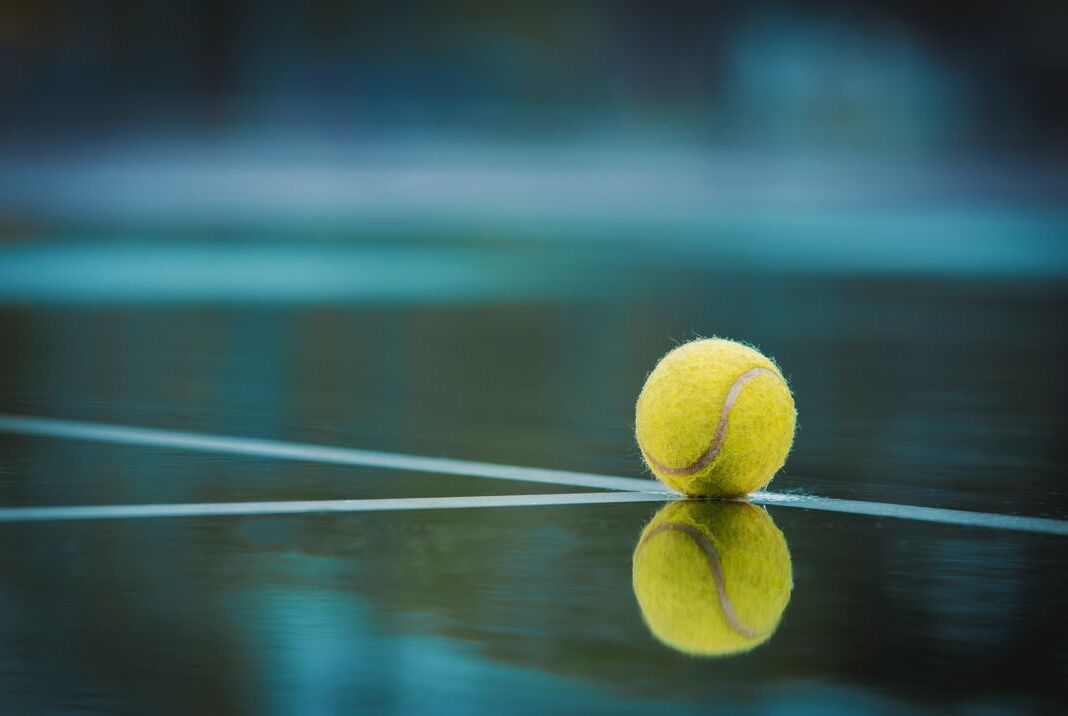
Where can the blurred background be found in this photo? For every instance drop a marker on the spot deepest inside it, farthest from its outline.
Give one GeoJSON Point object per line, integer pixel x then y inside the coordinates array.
{"type": "Point", "coordinates": [469, 229]}
{"type": "Point", "coordinates": [442, 219]}
{"type": "Point", "coordinates": [222, 114]}
{"type": "Point", "coordinates": [875, 76]}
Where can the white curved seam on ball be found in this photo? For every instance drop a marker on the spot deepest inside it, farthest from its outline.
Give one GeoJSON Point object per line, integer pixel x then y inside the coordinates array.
{"type": "Point", "coordinates": [716, 568]}
{"type": "Point", "coordinates": [721, 430]}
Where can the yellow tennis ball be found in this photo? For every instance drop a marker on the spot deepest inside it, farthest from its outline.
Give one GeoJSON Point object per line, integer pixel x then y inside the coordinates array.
{"type": "Point", "coordinates": [712, 578]}
{"type": "Point", "coordinates": [715, 419]}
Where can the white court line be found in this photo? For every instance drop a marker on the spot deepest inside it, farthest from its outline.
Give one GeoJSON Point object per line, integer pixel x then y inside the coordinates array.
{"type": "Point", "coordinates": [214, 509]}
{"type": "Point", "coordinates": [127, 435]}
{"type": "Point", "coordinates": [964, 518]}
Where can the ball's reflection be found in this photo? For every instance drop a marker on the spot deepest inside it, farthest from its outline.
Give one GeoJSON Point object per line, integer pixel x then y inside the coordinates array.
{"type": "Point", "coordinates": [712, 578]}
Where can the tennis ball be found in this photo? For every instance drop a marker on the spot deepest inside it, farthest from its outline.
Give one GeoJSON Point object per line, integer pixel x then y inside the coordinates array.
{"type": "Point", "coordinates": [715, 419]}
{"type": "Point", "coordinates": [712, 578]}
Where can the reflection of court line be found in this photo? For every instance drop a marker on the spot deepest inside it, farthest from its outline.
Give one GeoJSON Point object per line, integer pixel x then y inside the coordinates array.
{"type": "Point", "coordinates": [215, 509]}
{"type": "Point", "coordinates": [650, 490]}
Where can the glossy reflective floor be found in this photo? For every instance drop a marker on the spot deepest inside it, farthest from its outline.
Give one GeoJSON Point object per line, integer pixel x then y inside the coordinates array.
{"type": "Point", "coordinates": [913, 389]}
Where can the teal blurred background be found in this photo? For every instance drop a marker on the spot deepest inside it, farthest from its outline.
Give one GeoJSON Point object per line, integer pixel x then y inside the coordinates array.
{"type": "Point", "coordinates": [835, 137]}
{"type": "Point", "coordinates": [876, 75]}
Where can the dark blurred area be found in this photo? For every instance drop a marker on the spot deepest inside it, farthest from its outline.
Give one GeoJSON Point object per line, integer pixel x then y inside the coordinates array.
{"type": "Point", "coordinates": [913, 76]}
{"type": "Point", "coordinates": [686, 120]}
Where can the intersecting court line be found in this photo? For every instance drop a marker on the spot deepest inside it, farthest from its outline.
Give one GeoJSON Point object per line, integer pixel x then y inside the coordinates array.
{"type": "Point", "coordinates": [627, 489]}
{"type": "Point", "coordinates": [254, 447]}
{"type": "Point", "coordinates": [964, 518]}
{"type": "Point", "coordinates": [212, 509]}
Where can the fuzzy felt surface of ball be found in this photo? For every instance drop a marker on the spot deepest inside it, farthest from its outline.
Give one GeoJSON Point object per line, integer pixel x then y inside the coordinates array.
{"type": "Point", "coordinates": [715, 419]}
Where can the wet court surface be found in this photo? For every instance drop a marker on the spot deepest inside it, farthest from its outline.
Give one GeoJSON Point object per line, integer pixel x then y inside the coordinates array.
{"type": "Point", "coordinates": [912, 390]}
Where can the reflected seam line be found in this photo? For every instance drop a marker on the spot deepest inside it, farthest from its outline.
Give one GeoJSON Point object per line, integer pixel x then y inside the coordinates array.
{"type": "Point", "coordinates": [714, 566]}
